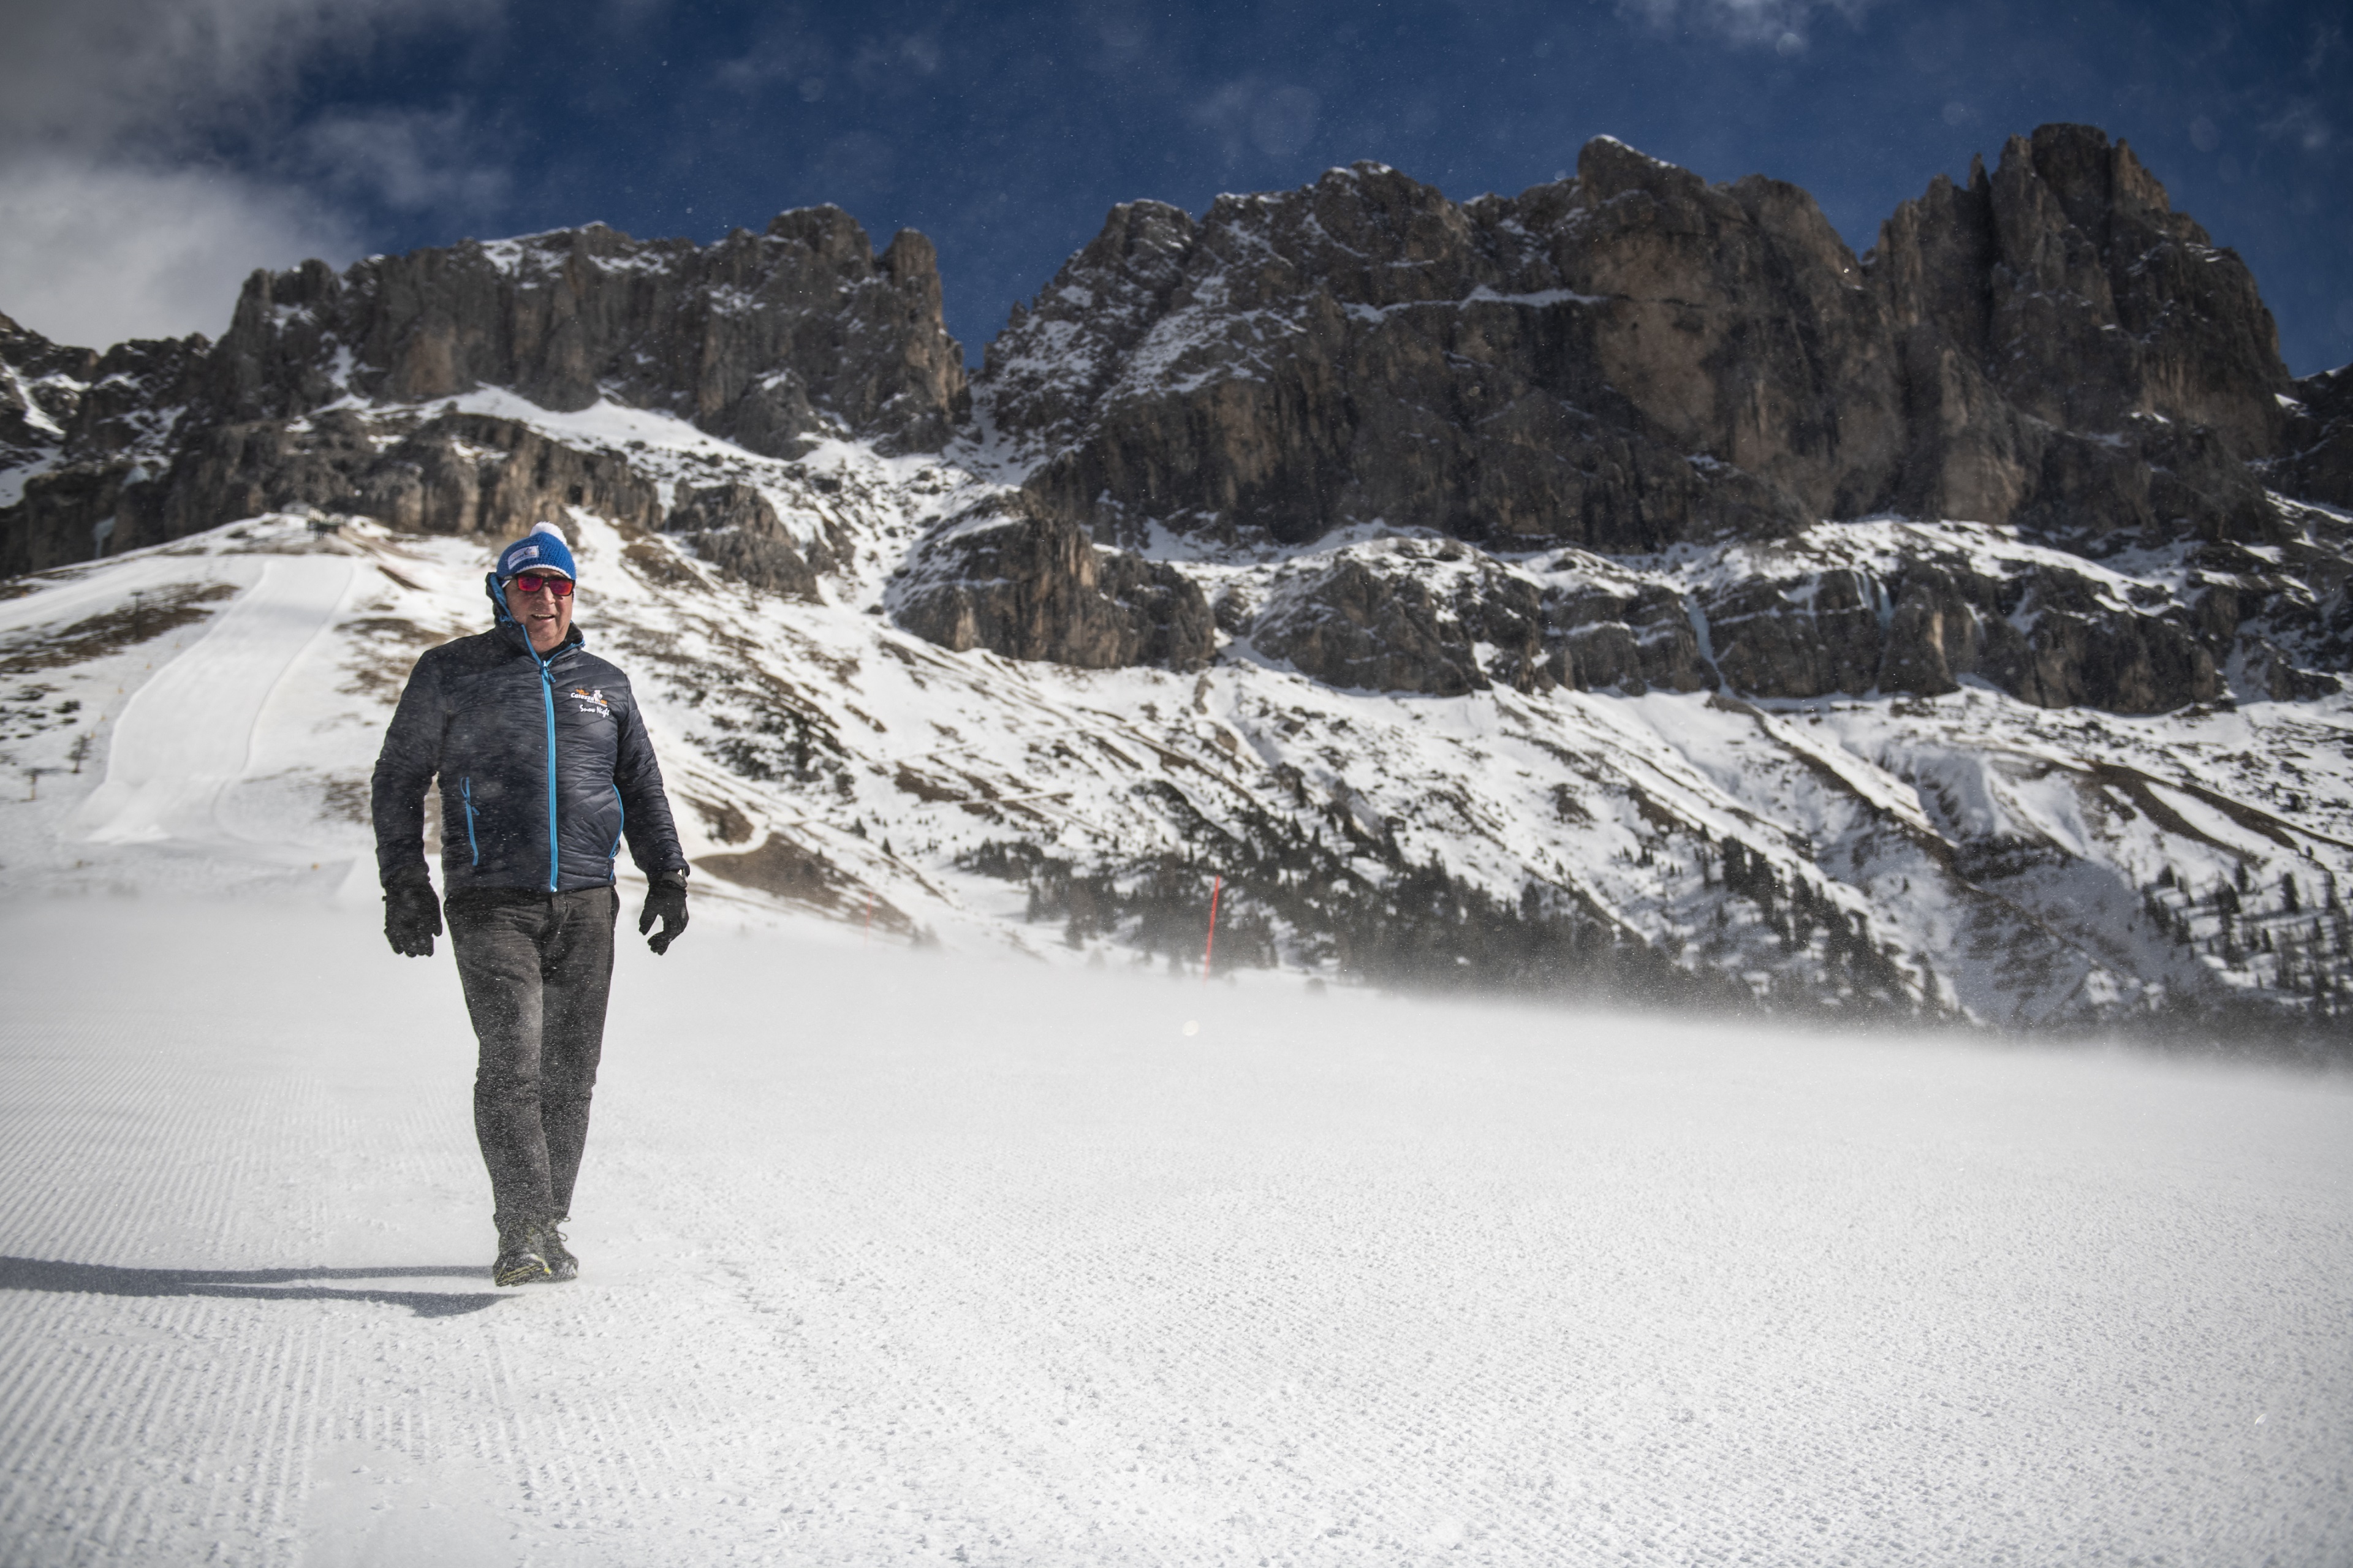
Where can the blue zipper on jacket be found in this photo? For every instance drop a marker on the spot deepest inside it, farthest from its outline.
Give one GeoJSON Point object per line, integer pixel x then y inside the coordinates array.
{"type": "Point", "coordinates": [466, 793]}
{"type": "Point", "coordinates": [547, 696]}
{"type": "Point", "coordinates": [623, 807]}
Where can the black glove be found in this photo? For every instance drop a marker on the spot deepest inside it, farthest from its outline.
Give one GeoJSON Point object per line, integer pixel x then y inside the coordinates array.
{"type": "Point", "coordinates": [666, 902]}
{"type": "Point", "coordinates": [412, 919]}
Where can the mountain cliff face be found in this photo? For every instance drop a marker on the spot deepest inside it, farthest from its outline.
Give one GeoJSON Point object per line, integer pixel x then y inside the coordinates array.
{"type": "Point", "coordinates": [1631, 358]}
{"type": "Point", "coordinates": [75, 425]}
{"type": "Point", "coordinates": [771, 341]}
{"type": "Point", "coordinates": [1621, 581]}
{"type": "Point", "coordinates": [1632, 361]}
{"type": "Point", "coordinates": [2317, 455]}
{"type": "Point", "coordinates": [765, 340]}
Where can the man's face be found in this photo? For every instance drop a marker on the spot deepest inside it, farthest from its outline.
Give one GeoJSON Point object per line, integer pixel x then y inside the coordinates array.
{"type": "Point", "coordinates": [545, 614]}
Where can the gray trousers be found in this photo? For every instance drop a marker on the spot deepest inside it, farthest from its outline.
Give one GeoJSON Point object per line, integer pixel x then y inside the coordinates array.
{"type": "Point", "coordinates": [537, 968]}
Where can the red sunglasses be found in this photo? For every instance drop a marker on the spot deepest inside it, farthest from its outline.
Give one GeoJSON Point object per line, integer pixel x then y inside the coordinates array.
{"type": "Point", "coordinates": [534, 582]}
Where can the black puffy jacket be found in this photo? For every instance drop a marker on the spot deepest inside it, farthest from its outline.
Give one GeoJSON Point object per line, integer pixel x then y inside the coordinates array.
{"type": "Point", "coordinates": [546, 768]}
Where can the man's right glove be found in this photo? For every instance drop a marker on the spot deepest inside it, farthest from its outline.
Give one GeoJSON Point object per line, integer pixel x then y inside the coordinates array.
{"type": "Point", "coordinates": [412, 919]}
{"type": "Point", "coordinates": [666, 902]}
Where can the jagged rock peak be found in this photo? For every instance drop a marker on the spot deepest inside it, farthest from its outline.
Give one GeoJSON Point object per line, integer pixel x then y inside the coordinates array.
{"type": "Point", "coordinates": [997, 575]}
{"type": "Point", "coordinates": [734, 527]}
{"type": "Point", "coordinates": [2316, 457]}
{"type": "Point", "coordinates": [2066, 283]}
{"type": "Point", "coordinates": [1632, 357]}
{"type": "Point", "coordinates": [766, 338]}
{"type": "Point", "coordinates": [63, 404]}
{"type": "Point", "coordinates": [1320, 340]}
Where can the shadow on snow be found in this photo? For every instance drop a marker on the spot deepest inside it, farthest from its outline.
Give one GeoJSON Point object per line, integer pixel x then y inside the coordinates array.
{"type": "Point", "coordinates": [250, 1284]}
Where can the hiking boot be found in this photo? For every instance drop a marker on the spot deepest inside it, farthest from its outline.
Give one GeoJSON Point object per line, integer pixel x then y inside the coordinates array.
{"type": "Point", "coordinates": [522, 1254]}
{"type": "Point", "coordinates": [561, 1264]}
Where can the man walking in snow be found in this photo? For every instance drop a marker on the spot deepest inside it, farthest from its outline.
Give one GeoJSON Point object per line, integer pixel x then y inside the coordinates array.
{"type": "Point", "coordinates": [546, 768]}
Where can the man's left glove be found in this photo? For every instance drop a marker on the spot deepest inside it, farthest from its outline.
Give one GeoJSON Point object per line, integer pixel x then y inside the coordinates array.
{"type": "Point", "coordinates": [412, 919]}
{"type": "Point", "coordinates": [666, 902]}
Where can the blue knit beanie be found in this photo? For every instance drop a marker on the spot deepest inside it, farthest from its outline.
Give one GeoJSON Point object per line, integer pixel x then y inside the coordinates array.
{"type": "Point", "coordinates": [541, 550]}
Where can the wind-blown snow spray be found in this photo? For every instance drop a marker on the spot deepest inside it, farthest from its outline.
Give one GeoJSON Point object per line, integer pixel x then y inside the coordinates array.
{"type": "Point", "coordinates": [1209, 946]}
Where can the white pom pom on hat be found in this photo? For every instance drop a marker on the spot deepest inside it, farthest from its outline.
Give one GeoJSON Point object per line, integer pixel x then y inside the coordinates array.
{"type": "Point", "coordinates": [543, 549]}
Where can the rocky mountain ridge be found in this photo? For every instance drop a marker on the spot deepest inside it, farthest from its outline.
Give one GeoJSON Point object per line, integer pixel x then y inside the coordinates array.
{"type": "Point", "coordinates": [1625, 461]}
{"type": "Point", "coordinates": [1630, 362]}
{"type": "Point", "coordinates": [771, 341]}
{"type": "Point", "coordinates": [1630, 357]}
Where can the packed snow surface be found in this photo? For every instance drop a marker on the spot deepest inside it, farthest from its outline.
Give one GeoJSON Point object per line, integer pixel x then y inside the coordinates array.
{"type": "Point", "coordinates": [896, 1258]}
{"type": "Point", "coordinates": [185, 741]}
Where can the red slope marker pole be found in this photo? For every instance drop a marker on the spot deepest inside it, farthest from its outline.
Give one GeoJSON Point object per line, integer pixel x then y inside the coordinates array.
{"type": "Point", "coordinates": [1210, 946]}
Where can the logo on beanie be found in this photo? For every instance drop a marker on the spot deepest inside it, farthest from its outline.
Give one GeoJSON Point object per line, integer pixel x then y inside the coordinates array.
{"type": "Point", "coordinates": [543, 549]}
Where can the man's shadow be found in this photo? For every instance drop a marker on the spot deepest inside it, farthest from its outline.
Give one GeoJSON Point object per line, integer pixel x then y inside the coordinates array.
{"type": "Point", "coordinates": [250, 1284]}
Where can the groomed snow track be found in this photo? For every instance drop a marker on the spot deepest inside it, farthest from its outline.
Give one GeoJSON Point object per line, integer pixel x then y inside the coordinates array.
{"type": "Point", "coordinates": [894, 1260]}
{"type": "Point", "coordinates": [191, 735]}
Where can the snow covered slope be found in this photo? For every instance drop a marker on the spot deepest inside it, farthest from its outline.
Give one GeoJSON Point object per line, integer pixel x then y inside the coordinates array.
{"type": "Point", "coordinates": [896, 1259]}
{"type": "Point", "coordinates": [209, 709]}
{"type": "Point", "coordinates": [201, 729]}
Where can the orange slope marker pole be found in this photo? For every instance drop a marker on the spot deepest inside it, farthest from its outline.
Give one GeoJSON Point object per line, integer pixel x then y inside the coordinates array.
{"type": "Point", "coordinates": [1210, 946]}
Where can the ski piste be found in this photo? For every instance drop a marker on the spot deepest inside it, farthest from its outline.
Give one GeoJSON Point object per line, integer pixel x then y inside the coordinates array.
{"type": "Point", "coordinates": [895, 1255]}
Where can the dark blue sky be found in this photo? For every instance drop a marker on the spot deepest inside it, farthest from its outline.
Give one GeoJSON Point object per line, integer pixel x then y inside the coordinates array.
{"type": "Point", "coordinates": [1005, 131]}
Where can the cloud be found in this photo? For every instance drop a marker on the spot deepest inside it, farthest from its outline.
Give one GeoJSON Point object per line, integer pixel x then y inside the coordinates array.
{"type": "Point", "coordinates": [786, 51]}
{"type": "Point", "coordinates": [1276, 119]}
{"type": "Point", "coordinates": [150, 156]}
{"type": "Point", "coordinates": [94, 72]}
{"type": "Point", "coordinates": [407, 160]}
{"type": "Point", "coordinates": [1781, 25]}
{"type": "Point", "coordinates": [1120, 30]}
{"type": "Point", "coordinates": [2327, 39]}
{"type": "Point", "coordinates": [789, 52]}
{"type": "Point", "coordinates": [92, 253]}
{"type": "Point", "coordinates": [2300, 123]}
{"type": "Point", "coordinates": [896, 62]}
